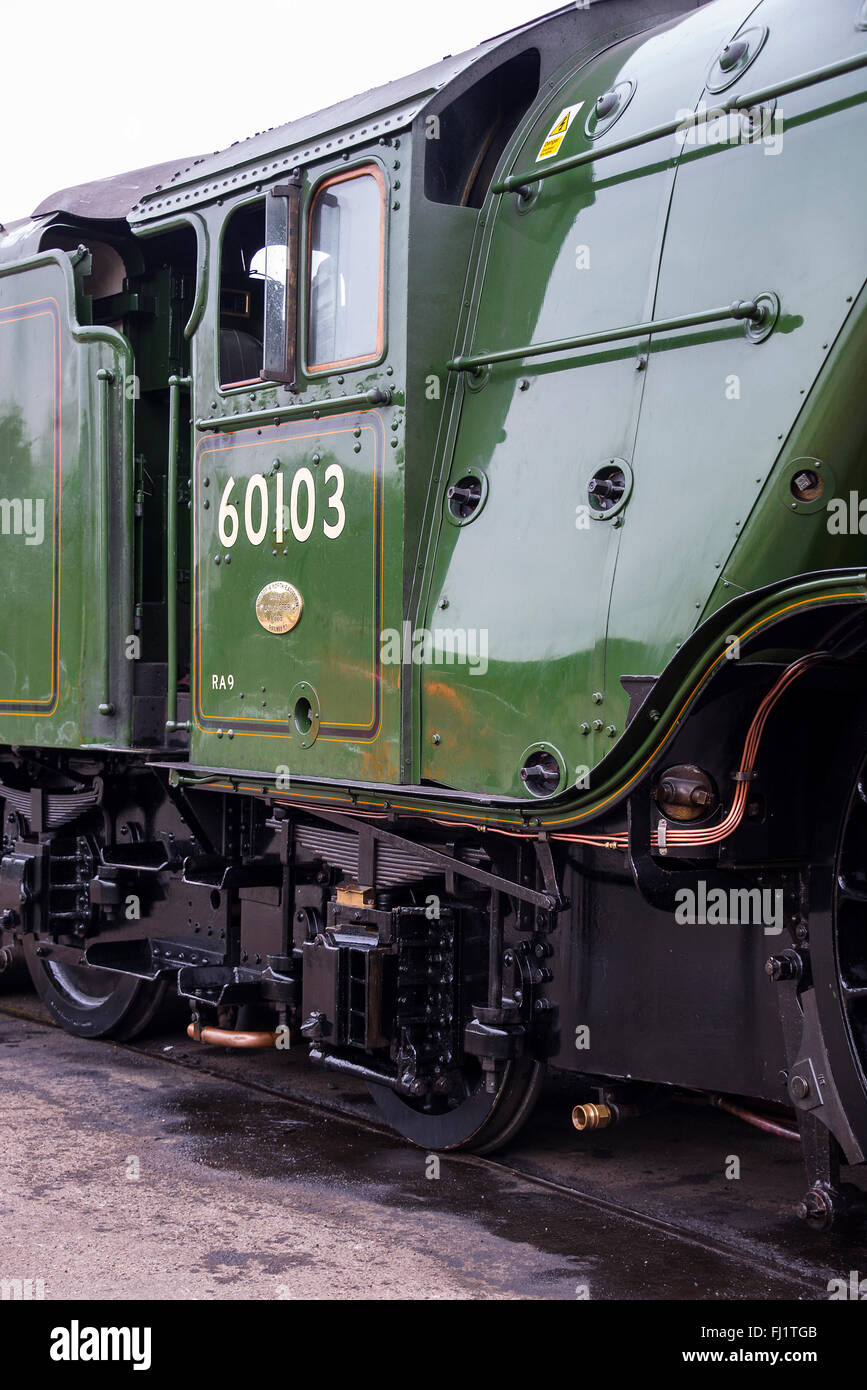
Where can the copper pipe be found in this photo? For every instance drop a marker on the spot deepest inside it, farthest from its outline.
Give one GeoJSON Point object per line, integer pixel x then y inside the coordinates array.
{"type": "Point", "coordinates": [760, 1121]}
{"type": "Point", "coordinates": [754, 734]}
{"type": "Point", "coordinates": [227, 1037]}
{"type": "Point", "coordinates": [714, 834]}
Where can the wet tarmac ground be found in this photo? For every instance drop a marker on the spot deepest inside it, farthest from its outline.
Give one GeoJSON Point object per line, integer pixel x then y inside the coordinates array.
{"type": "Point", "coordinates": [168, 1169]}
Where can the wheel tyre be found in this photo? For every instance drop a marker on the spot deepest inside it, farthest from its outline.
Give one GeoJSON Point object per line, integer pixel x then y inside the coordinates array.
{"type": "Point", "coordinates": [481, 1123]}
{"type": "Point", "coordinates": [93, 1003]}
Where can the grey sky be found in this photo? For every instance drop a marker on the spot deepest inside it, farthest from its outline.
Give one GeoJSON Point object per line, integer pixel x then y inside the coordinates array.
{"type": "Point", "coordinates": [92, 90]}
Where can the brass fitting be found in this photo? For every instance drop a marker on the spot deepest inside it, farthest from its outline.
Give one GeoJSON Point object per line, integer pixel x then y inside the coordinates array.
{"type": "Point", "coordinates": [590, 1116]}
{"type": "Point", "coordinates": [355, 895]}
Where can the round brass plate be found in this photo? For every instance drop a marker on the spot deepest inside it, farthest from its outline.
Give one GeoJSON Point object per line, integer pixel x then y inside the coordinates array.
{"type": "Point", "coordinates": [278, 606]}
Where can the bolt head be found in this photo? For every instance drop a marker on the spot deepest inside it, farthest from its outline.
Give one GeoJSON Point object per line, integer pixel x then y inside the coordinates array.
{"type": "Point", "coordinates": [799, 1088]}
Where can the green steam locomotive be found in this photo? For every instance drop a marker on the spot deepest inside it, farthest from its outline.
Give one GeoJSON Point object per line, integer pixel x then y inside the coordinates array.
{"type": "Point", "coordinates": [435, 615]}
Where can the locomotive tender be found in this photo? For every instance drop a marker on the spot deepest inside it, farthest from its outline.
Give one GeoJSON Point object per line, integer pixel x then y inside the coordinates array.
{"type": "Point", "coordinates": [435, 584]}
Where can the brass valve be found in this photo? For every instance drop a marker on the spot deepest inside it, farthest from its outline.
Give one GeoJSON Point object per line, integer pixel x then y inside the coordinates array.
{"type": "Point", "coordinates": [591, 1116]}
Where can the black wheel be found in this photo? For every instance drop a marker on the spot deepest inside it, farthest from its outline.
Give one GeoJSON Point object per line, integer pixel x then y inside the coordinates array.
{"type": "Point", "coordinates": [474, 1119]}
{"type": "Point", "coordinates": [849, 988]}
{"type": "Point", "coordinates": [92, 1003]}
{"type": "Point", "coordinates": [838, 928]}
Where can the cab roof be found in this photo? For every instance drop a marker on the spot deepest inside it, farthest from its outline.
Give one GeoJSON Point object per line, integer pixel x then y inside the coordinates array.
{"type": "Point", "coordinates": [160, 190]}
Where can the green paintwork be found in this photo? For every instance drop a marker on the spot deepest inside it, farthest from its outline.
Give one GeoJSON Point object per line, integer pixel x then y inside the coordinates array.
{"type": "Point", "coordinates": [343, 581]}
{"type": "Point", "coordinates": [53, 643]}
{"type": "Point", "coordinates": [585, 607]}
{"type": "Point", "coordinates": [708, 424]}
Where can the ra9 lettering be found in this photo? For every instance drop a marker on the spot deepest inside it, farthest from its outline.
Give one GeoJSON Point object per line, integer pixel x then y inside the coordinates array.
{"type": "Point", "coordinates": [298, 518]}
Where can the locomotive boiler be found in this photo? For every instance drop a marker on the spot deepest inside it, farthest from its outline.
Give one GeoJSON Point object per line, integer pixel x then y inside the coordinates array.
{"type": "Point", "coordinates": [434, 627]}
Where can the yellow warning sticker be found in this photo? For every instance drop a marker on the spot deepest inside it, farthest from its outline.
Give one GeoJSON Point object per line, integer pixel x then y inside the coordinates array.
{"type": "Point", "coordinates": [557, 133]}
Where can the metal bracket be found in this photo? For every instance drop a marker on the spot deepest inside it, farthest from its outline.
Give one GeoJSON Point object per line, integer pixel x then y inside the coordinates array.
{"type": "Point", "coordinates": [810, 1081]}
{"type": "Point", "coordinates": [545, 860]}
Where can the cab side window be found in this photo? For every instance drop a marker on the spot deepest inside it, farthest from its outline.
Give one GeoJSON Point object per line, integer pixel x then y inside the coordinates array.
{"type": "Point", "coordinates": [242, 297]}
{"type": "Point", "coordinates": [345, 271]}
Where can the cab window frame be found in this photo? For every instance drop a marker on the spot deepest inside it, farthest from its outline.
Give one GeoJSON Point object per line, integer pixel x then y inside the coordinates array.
{"type": "Point", "coordinates": [230, 388]}
{"type": "Point", "coordinates": [316, 371]}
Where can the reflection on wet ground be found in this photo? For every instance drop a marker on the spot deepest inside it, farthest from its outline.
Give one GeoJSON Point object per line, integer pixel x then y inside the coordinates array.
{"type": "Point", "coordinates": [649, 1211]}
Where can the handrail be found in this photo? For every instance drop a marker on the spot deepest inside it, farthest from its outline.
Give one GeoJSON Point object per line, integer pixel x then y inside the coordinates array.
{"type": "Point", "coordinates": [749, 309]}
{"type": "Point", "coordinates": [105, 379]}
{"type": "Point", "coordinates": [522, 183]}
{"type": "Point", "coordinates": [175, 385]}
{"type": "Point", "coordinates": [380, 395]}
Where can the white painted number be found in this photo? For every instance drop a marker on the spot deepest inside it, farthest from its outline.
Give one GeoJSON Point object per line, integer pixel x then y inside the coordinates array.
{"type": "Point", "coordinates": [256, 535]}
{"type": "Point", "coordinates": [299, 516]}
{"type": "Point", "coordinates": [332, 529]}
{"type": "Point", "coordinates": [230, 513]}
{"type": "Point", "coordinates": [306, 477]}
{"type": "Point", "coordinates": [281, 510]}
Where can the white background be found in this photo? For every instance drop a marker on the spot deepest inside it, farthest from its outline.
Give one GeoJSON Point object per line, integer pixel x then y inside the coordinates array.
{"type": "Point", "coordinates": [91, 89]}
